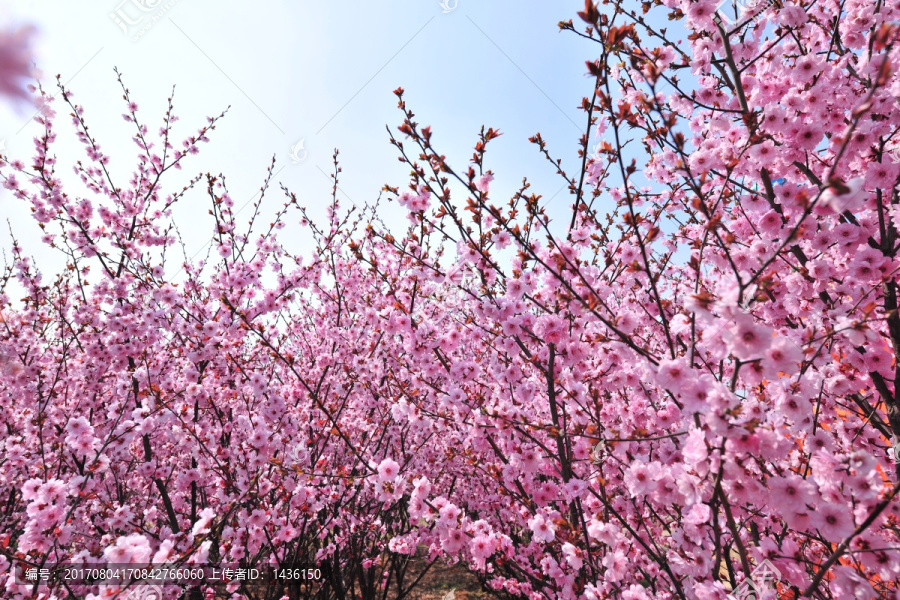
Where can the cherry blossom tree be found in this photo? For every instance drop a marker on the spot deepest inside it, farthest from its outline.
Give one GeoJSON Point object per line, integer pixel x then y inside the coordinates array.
{"type": "Point", "coordinates": [183, 423]}
{"type": "Point", "coordinates": [700, 375]}
{"type": "Point", "coordinates": [691, 381]}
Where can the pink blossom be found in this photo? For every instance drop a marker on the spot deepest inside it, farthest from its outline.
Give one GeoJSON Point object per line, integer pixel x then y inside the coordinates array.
{"type": "Point", "coordinates": [835, 523]}
{"type": "Point", "coordinates": [502, 239]}
{"type": "Point", "coordinates": [806, 68]}
{"type": "Point", "coordinates": [131, 549]}
{"type": "Point", "coordinates": [388, 470]}
{"type": "Point", "coordinates": [699, 514]}
{"type": "Point", "coordinates": [550, 328]}
{"type": "Point", "coordinates": [808, 136]}
{"type": "Point", "coordinates": [616, 564]}
{"type": "Point", "coordinates": [202, 524]}
{"type": "Point", "coordinates": [573, 555]}
{"type": "Point", "coordinates": [641, 478]}
{"type": "Point", "coordinates": [483, 546]}
{"type": "Point", "coordinates": [694, 450]}
{"type": "Point", "coordinates": [748, 339]}
{"type": "Point", "coordinates": [673, 374]}
{"type": "Point", "coordinates": [454, 541]}
{"type": "Point", "coordinates": [543, 529]}
{"type": "Point", "coordinates": [783, 356]}
{"type": "Point", "coordinates": [484, 182]}
{"type": "Point", "coordinates": [449, 515]}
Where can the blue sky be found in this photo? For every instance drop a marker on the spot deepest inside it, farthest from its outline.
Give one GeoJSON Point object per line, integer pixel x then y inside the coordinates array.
{"type": "Point", "coordinates": [313, 71]}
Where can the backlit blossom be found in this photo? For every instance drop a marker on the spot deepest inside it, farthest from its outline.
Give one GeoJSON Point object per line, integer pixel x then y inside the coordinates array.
{"type": "Point", "coordinates": [483, 183]}
{"type": "Point", "coordinates": [15, 61]}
